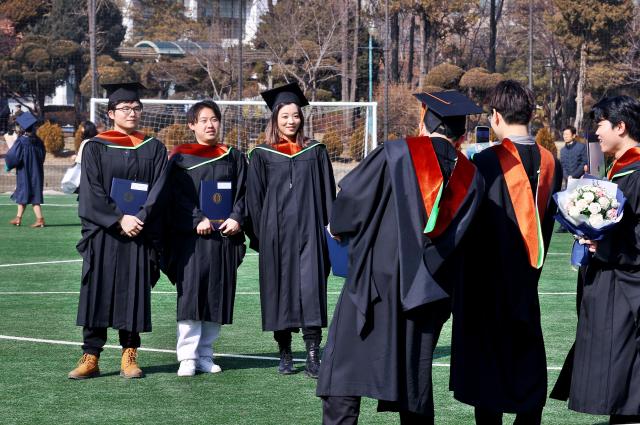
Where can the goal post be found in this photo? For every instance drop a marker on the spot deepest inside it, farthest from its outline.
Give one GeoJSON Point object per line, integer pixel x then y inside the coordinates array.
{"type": "Point", "coordinates": [348, 129]}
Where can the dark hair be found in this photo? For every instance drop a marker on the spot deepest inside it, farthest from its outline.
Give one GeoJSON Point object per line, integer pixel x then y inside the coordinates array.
{"type": "Point", "coordinates": [514, 101]}
{"type": "Point", "coordinates": [88, 130]}
{"type": "Point", "coordinates": [570, 128]}
{"type": "Point", "coordinates": [453, 127]}
{"type": "Point", "coordinates": [272, 134]}
{"type": "Point", "coordinates": [619, 109]}
{"type": "Point", "coordinates": [194, 111]}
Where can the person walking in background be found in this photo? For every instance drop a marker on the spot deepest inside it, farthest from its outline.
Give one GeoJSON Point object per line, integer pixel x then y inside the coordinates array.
{"type": "Point", "coordinates": [498, 361]}
{"type": "Point", "coordinates": [117, 204]}
{"type": "Point", "coordinates": [203, 251]}
{"type": "Point", "coordinates": [27, 156]}
{"type": "Point", "coordinates": [573, 155]}
{"type": "Point", "coordinates": [290, 189]}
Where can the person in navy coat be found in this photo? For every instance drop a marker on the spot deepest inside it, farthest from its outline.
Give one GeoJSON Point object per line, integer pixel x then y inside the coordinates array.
{"type": "Point", "coordinates": [27, 157]}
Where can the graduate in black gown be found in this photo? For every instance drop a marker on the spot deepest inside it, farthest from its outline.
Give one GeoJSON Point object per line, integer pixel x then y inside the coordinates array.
{"type": "Point", "coordinates": [27, 157]}
{"type": "Point", "coordinates": [498, 361]}
{"type": "Point", "coordinates": [120, 262]}
{"type": "Point", "coordinates": [604, 364]}
{"type": "Point", "coordinates": [405, 210]}
{"type": "Point", "coordinates": [202, 261]}
{"type": "Point", "coordinates": [290, 189]}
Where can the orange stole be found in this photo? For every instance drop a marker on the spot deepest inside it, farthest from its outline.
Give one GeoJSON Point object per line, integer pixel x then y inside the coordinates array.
{"type": "Point", "coordinates": [427, 169]}
{"type": "Point", "coordinates": [203, 151]}
{"type": "Point", "coordinates": [454, 194]}
{"type": "Point", "coordinates": [629, 157]}
{"type": "Point", "coordinates": [522, 200]}
{"type": "Point", "coordinates": [122, 139]}
{"type": "Point", "coordinates": [287, 148]}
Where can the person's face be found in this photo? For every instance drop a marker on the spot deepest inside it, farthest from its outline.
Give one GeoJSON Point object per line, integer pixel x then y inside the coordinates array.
{"type": "Point", "coordinates": [567, 136]}
{"type": "Point", "coordinates": [289, 120]}
{"type": "Point", "coordinates": [206, 127]}
{"type": "Point", "coordinates": [610, 136]}
{"type": "Point", "coordinates": [127, 115]}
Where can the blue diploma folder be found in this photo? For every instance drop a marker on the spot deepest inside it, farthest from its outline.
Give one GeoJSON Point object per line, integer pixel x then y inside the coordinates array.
{"type": "Point", "coordinates": [129, 195]}
{"type": "Point", "coordinates": [216, 201]}
{"type": "Point", "coordinates": [338, 255]}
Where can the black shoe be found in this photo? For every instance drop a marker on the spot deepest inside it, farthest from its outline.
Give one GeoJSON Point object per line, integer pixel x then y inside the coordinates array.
{"type": "Point", "coordinates": [312, 366]}
{"type": "Point", "coordinates": [286, 361]}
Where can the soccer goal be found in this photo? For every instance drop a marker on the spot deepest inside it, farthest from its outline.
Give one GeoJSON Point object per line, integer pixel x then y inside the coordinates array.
{"type": "Point", "coordinates": [348, 129]}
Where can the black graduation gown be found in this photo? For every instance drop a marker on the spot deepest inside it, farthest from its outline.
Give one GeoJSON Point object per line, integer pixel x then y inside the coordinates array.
{"type": "Point", "coordinates": [289, 201]}
{"type": "Point", "coordinates": [27, 157]}
{"type": "Point", "coordinates": [498, 359]}
{"type": "Point", "coordinates": [606, 363]}
{"type": "Point", "coordinates": [118, 271]}
{"type": "Point", "coordinates": [396, 298]}
{"type": "Point", "coordinates": [203, 268]}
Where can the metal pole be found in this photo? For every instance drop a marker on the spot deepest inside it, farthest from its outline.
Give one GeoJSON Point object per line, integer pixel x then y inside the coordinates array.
{"type": "Point", "coordinates": [91, 6]}
{"type": "Point", "coordinates": [370, 67]}
{"type": "Point", "coordinates": [386, 70]}
{"type": "Point", "coordinates": [531, 44]}
{"type": "Point", "coordinates": [240, 76]}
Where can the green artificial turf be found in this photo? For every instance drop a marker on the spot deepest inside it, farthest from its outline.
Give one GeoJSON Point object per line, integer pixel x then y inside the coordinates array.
{"type": "Point", "coordinates": [33, 379]}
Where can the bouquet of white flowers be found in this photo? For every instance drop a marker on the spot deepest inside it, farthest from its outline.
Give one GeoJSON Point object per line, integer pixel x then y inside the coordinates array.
{"type": "Point", "coordinates": [588, 208]}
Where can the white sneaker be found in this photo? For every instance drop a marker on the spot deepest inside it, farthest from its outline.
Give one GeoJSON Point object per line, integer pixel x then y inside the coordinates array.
{"type": "Point", "coordinates": [187, 368]}
{"type": "Point", "coordinates": [206, 364]}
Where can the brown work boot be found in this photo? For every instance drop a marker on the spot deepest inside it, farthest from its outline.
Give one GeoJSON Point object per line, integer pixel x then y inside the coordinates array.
{"type": "Point", "coordinates": [87, 367]}
{"type": "Point", "coordinates": [129, 366]}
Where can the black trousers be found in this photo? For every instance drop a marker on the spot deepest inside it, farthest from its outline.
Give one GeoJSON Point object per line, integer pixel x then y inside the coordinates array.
{"type": "Point", "coordinates": [624, 419]}
{"type": "Point", "coordinates": [345, 410]}
{"type": "Point", "coordinates": [283, 337]}
{"type": "Point", "coordinates": [488, 417]}
{"type": "Point", "coordinates": [95, 338]}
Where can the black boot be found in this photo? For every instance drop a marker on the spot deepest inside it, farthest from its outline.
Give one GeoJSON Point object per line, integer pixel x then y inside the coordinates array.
{"type": "Point", "coordinates": [312, 366]}
{"type": "Point", "coordinates": [286, 360]}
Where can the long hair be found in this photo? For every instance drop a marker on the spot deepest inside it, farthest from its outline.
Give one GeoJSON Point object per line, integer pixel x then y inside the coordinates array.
{"type": "Point", "coordinates": [272, 134]}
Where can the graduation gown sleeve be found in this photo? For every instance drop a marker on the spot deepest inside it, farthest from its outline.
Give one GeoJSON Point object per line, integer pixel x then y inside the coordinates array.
{"type": "Point", "coordinates": [255, 194]}
{"type": "Point", "coordinates": [238, 212]}
{"type": "Point", "coordinates": [97, 207]}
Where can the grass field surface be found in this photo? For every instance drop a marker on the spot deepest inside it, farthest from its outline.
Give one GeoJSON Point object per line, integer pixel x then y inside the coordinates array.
{"type": "Point", "coordinates": [40, 344]}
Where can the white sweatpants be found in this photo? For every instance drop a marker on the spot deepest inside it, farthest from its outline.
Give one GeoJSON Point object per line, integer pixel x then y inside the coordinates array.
{"type": "Point", "coordinates": [195, 339]}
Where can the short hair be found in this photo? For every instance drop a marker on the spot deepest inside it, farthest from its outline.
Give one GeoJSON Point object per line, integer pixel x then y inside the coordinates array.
{"type": "Point", "coordinates": [514, 101]}
{"type": "Point", "coordinates": [194, 111]}
{"type": "Point", "coordinates": [619, 109]}
{"type": "Point", "coordinates": [571, 128]}
{"type": "Point", "coordinates": [89, 130]}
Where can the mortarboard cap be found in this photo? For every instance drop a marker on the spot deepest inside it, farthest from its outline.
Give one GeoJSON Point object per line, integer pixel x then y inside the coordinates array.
{"type": "Point", "coordinates": [123, 92]}
{"type": "Point", "coordinates": [448, 107]}
{"type": "Point", "coordinates": [26, 120]}
{"type": "Point", "coordinates": [290, 93]}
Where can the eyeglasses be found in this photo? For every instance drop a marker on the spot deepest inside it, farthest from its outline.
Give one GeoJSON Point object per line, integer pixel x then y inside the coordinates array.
{"type": "Point", "coordinates": [127, 109]}
{"type": "Point", "coordinates": [211, 120]}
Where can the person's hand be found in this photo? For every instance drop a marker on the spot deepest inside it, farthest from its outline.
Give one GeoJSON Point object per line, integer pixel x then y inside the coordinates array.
{"type": "Point", "coordinates": [130, 225]}
{"type": "Point", "coordinates": [592, 245]}
{"type": "Point", "coordinates": [336, 237]}
{"type": "Point", "coordinates": [230, 227]}
{"type": "Point", "coordinates": [204, 227]}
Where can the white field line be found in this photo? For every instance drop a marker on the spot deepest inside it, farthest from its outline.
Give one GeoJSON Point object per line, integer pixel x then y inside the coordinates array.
{"type": "Point", "coordinates": [251, 254]}
{"type": "Point", "coordinates": [152, 293]}
{"type": "Point", "coordinates": [162, 350]}
{"type": "Point", "coordinates": [44, 205]}
{"type": "Point", "coordinates": [173, 293]}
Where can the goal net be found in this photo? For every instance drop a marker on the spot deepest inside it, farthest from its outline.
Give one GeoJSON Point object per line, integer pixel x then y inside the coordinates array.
{"type": "Point", "coordinates": [348, 129]}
